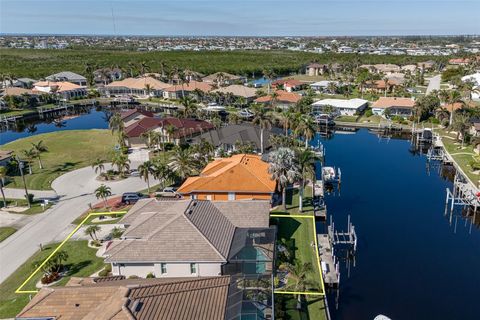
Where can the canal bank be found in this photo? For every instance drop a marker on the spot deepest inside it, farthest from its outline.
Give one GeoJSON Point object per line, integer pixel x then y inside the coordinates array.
{"type": "Point", "coordinates": [410, 262]}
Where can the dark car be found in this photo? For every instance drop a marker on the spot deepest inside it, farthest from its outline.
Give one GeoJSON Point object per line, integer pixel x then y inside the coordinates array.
{"type": "Point", "coordinates": [132, 197]}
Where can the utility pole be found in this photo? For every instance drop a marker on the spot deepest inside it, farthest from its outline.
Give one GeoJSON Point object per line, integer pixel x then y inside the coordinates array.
{"type": "Point", "coordinates": [20, 166]}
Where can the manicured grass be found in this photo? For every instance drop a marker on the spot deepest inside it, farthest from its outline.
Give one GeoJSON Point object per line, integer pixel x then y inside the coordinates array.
{"type": "Point", "coordinates": [300, 231]}
{"type": "Point", "coordinates": [6, 232]}
{"type": "Point", "coordinates": [347, 118]}
{"type": "Point", "coordinates": [81, 262]}
{"type": "Point", "coordinates": [36, 206]}
{"type": "Point", "coordinates": [67, 151]}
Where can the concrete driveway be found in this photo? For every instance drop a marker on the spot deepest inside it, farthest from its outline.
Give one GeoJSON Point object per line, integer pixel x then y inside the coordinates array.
{"type": "Point", "coordinates": [433, 84]}
{"type": "Point", "coordinates": [75, 191]}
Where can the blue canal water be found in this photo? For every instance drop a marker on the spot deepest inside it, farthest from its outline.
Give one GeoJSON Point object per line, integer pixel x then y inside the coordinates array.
{"type": "Point", "coordinates": [410, 262]}
{"type": "Point", "coordinates": [94, 119]}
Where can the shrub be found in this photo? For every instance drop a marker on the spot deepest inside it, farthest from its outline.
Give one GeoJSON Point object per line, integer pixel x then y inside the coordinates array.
{"type": "Point", "coordinates": [96, 243]}
{"type": "Point", "coordinates": [116, 233]}
{"type": "Point", "coordinates": [133, 277]}
{"type": "Point", "coordinates": [150, 275]}
{"type": "Point", "coordinates": [475, 165]}
{"type": "Point", "coordinates": [30, 198]}
{"type": "Point", "coordinates": [368, 113]}
{"type": "Point", "coordinates": [49, 278]}
{"type": "Point", "coordinates": [433, 120]}
{"type": "Point", "coordinates": [108, 267]}
{"type": "Point", "coordinates": [103, 273]}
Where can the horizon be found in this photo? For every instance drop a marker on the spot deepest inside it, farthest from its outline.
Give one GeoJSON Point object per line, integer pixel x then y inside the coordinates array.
{"type": "Point", "coordinates": [263, 18]}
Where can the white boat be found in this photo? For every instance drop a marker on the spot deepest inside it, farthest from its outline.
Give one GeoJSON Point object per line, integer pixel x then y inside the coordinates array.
{"type": "Point", "coordinates": [214, 107]}
{"type": "Point", "coordinates": [328, 174]}
{"type": "Point", "coordinates": [381, 317]}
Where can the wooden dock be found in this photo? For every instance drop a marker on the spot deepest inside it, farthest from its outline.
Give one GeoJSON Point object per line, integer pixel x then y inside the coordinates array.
{"type": "Point", "coordinates": [331, 274]}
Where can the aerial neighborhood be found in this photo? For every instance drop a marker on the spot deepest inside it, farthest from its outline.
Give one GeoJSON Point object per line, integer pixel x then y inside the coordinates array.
{"type": "Point", "coordinates": [157, 190]}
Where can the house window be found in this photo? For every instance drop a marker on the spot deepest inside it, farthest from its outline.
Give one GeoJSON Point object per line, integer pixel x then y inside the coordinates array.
{"type": "Point", "coordinates": [163, 268]}
{"type": "Point", "coordinates": [193, 268]}
{"type": "Point", "coordinates": [193, 196]}
{"type": "Point", "coordinates": [231, 196]}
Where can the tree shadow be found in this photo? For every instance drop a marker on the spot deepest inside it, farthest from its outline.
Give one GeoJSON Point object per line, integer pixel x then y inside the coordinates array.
{"type": "Point", "coordinates": [66, 166]}
{"type": "Point", "coordinates": [74, 268]}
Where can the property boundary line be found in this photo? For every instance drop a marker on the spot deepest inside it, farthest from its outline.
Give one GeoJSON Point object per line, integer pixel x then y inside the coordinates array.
{"type": "Point", "coordinates": [316, 253]}
{"type": "Point", "coordinates": [19, 289]}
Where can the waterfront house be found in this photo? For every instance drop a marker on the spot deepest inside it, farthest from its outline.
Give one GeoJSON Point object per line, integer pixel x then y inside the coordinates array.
{"type": "Point", "coordinates": [229, 137]}
{"type": "Point", "coordinates": [238, 90]}
{"type": "Point", "coordinates": [221, 79]}
{"type": "Point", "coordinates": [188, 89]}
{"type": "Point", "coordinates": [316, 69]}
{"type": "Point", "coordinates": [381, 68]}
{"type": "Point", "coordinates": [143, 87]}
{"type": "Point", "coordinates": [475, 78]}
{"type": "Point", "coordinates": [107, 75]}
{"type": "Point", "coordinates": [346, 107]}
{"type": "Point", "coordinates": [68, 76]}
{"type": "Point", "coordinates": [283, 99]}
{"type": "Point", "coordinates": [133, 115]}
{"type": "Point", "coordinates": [288, 85]}
{"type": "Point", "coordinates": [402, 107]}
{"type": "Point", "coordinates": [324, 86]}
{"type": "Point", "coordinates": [63, 89]}
{"type": "Point", "coordinates": [117, 298]}
{"type": "Point", "coordinates": [192, 238]}
{"type": "Point", "coordinates": [382, 86]}
{"type": "Point", "coordinates": [239, 177]}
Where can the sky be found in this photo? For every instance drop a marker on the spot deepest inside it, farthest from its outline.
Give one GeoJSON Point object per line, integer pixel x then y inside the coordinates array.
{"type": "Point", "coordinates": [241, 17]}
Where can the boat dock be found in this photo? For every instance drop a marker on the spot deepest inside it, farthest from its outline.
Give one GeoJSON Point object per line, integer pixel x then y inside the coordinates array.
{"type": "Point", "coordinates": [330, 269]}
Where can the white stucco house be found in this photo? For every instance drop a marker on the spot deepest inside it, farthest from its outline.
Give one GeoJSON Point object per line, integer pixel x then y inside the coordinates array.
{"type": "Point", "coordinates": [345, 107]}
{"type": "Point", "coordinates": [396, 106]}
{"type": "Point", "coordinates": [191, 238]}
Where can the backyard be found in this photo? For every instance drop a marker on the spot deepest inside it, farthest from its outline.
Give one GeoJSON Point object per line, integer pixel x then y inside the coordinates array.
{"type": "Point", "coordinates": [67, 151]}
{"type": "Point", "coordinates": [81, 262]}
{"type": "Point", "coordinates": [300, 233]}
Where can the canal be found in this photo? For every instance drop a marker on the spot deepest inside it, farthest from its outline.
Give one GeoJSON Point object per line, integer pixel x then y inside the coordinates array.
{"type": "Point", "coordinates": [410, 262]}
{"type": "Point", "coordinates": [89, 118]}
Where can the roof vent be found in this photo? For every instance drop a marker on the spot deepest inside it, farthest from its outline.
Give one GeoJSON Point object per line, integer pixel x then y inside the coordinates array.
{"type": "Point", "coordinates": [137, 306]}
{"type": "Point", "coordinates": [190, 211]}
{"type": "Point", "coordinates": [77, 305]}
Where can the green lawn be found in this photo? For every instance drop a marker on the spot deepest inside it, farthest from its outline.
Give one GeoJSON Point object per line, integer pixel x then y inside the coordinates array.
{"type": "Point", "coordinates": [347, 118]}
{"type": "Point", "coordinates": [36, 206]}
{"type": "Point", "coordinates": [67, 151]}
{"type": "Point", "coordinates": [6, 232]}
{"type": "Point", "coordinates": [81, 262]}
{"type": "Point", "coordinates": [301, 232]}
{"type": "Point", "coordinates": [89, 221]}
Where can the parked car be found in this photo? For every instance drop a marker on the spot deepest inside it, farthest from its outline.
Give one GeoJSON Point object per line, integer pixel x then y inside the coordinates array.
{"type": "Point", "coordinates": [134, 173]}
{"type": "Point", "coordinates": [245, 113]}
{"type": "Point", "coordinates": [169, 192]}
{"type": "Point", "coordinates": [132, 197]}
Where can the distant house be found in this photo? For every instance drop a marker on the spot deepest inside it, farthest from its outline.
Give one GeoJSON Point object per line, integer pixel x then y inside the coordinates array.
{"type": "Point", "coordinates": [316, 69]}
{"type": "Point", "coordinates": [238, 90]}
{"type": "Point", "coordinates": [459, 61]}
{"type": "Point", "coordinates": [224, 78]}
{"type": "Point", "coordinates": [5, 157]}
{"type": "Point", "coordinates": [379, 86]}
{"type": "Point", "coordinates": [117, 298]}
{"type": "Point", "coordinates": [143, 87]}
{"type": "Point", "coordinates": [191, 238]}
{"type": "Point", "coordinates": [475, 129]}
{"type": "Point", "coordinates": [107, 75]}
{"type": "Point", "coordinates": [65, 90]}
{"type": "Point", "coordinates": [68, 77]}
{"type": "Point", "coordinates": [381, 68]}
{"type": "Point", "coordinates": [240, 177]}
{"type": "Point", "coordinates": [227, 138]}
{"type": "Point", "coordinates": [188, 89]}
{"type": "Point", "coordinates": [284, 99]}
{"type": "Point", "coordinates": [323, 86]}
{"type": "Point", "coordinates": [26, 83]}
{"type": "Point", "coordinates": [426, 65]}
{"type": "Point", "coordinates": [402, 107]}
{"type": "Point", "coordinates": [340, 106]}
{"type": "Point", "coordinates": [16, 92]}
{"type": "Point", "coordinates": [288, 85]}
{"type": "Point", "coordinates": [172, 130]}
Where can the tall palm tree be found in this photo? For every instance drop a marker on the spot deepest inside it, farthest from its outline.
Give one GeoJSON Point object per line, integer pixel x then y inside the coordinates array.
{"type": "Point", "coordinates": [298, 273]}
{"type": "Point", "coordinates": [190, 106]}
{"type": "Point", "coordinates": [150, 137]}
{"type": "Point", "coordinates": [3, 175]}
{"type": "Point", "coordinates": [116, 123]}
{"type": "Point", "coordinates": [148, 89]}
{"type": "Point", "coordinates": [30, 154]}
{"type": "Point", "coordinates": [470, 87]}
{"type": "Point", "coordinates": [453, 98]}
{"type": "Point", "coordinates": [92, 231]}
{"type": "Point", "coordinates": [262, 119]}
{"type": "Point", "coordinates": [39, 148]}
{"type": "Point", "coordinates": [461, 124]}
{"type": "Point", "coordinates": [306, 164]}
{"type": "Point", "coordinates": [170, 131]}
{"type": "Point", "coordinates": [103, 192]}
{"type": "Point", "coordinates": [144, 68]}
{"type": "Point", "coordinates": [122, 162]}
{"type": "Point", "coordinates": [162, 173]}
{"type": "Point", "coordinates": [284, 169]}
{"type": "Point", "coordinates": [182, 162]}
{"type": "Point", "coordinates": [145, 169]}
{"type": "Point", "coordinates": [98, 165]}
{"type": "Point", "coordinates": [269, 74]}
{"type": "Point", "coordinates": [306, 128]}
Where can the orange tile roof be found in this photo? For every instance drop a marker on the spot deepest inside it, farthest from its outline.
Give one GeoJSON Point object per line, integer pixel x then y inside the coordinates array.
{"type": "Point", "coordinates": [283, 96]}
{"type": "Point", "coordinates": [191, 86]}
{"type": "Point", "coordinates": [239, 173]}
{"type": "Point", "coordinates": [61, 85]}
{"type": "Point", "coordinates": [15, 91]}
{"type": "Point", "coordinates": [139, 83]}
{"type": "Point", "coordinates": [387, 102]}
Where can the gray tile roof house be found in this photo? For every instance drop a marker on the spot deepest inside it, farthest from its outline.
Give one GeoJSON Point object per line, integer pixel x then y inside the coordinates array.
{"type": "Point", "coordinates": [227, 137]}
{"type": "Point", "coordinates": [68, 76]}
{"type": "Point", "coordinates": [182, 232]}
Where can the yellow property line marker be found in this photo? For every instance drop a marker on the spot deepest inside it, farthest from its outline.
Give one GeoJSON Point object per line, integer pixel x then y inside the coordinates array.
{"type": "Point", "coordinates": [19, 290]}
{"type": "Point", "coordinates": [316, 253]}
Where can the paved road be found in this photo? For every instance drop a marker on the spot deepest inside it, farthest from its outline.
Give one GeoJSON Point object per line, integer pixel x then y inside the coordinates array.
{"type": "Point", "coordinates": [75, 190]}
{"type": "Point", "coordinates": [434, 84]}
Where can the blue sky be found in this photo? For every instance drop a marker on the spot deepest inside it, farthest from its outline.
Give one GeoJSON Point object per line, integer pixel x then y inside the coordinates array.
{"type": "Point", "coordinates": [241, 17]}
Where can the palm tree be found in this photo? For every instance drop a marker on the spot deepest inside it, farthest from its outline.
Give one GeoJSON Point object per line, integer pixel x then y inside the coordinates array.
{"type": "Point", "coordinates": [284, 169]}
{"type": "Point", "coordinates": [269, 75]}
{"type": "Point", "coordinates": [262, 119]}
{"type": "Point", "coordinates": [162, 173]}
{"type": "Point", "coordinates": [306, 128]}
{"type": "Point", "coordinates": [103, 192]}
{"type": "Point", "coordinates": [148, 89]}
{"type": "Point", "coordinates": [30, 155]}
{"type": "Point", "coordinates": [150, 137]}
{"type": "Point", "coordinates": [97, 165]}
{"type": "Point", "coordinates": [116, 123]}
{"type": "Point", "coordinates": [470, 87]}
{"type": "Point", "coordinates": [461, 124]}
{"type": "Point", "coordinates": [3, 175]}
{"type": "Point", "coordinates": [144, 170]}
{"type": "Point", "coordinates": [453, 98]}
{"type": "Point", "coordinates": [306, 164]}
{"type": "Point", "coordinates": [190, 106]}
{"type": "Point", "coordinates": [170, 130]}
{"type": "Point", "coordinates": [182, 162]}
{"type": "Point", "coordinates": [121, 161]}
{"type": "Point", "coordinates": [144, 68]}
{"type": "Point", "coordinates": [39, 148]}
{"type": "Point", "coordinates": [92, 231]}
{"type": "Point", "coordinates": [298, 273]}
{"type": "Point", "coordinates": [233, 118]}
